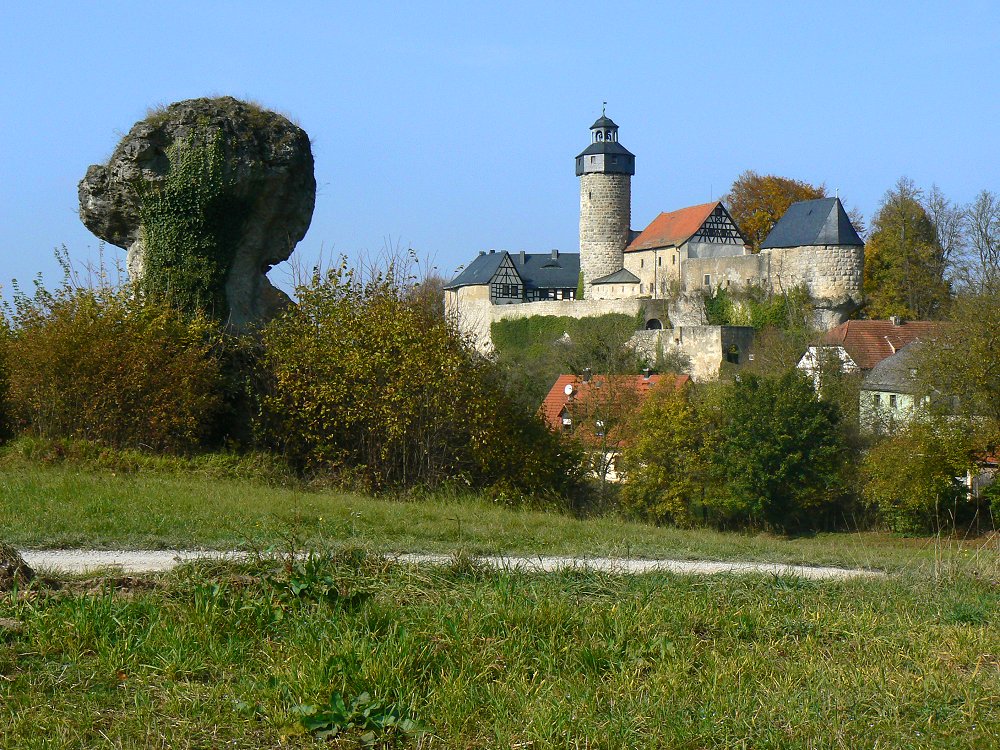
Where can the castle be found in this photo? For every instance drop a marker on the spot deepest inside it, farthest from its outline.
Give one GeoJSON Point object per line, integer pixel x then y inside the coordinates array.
{"type": "Point", "coordinates": [663, 271]}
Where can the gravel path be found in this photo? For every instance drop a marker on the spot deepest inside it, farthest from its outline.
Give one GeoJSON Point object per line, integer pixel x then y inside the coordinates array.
{"type": "Point", "coordinates": [152, 561]}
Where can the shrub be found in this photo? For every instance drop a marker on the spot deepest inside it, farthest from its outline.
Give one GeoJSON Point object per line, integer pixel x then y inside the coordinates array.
{"type": "Point", "coordinates": [776, 458]}
{"type": "Point", "coordinates": [369, 384]}
{"type": "Point", "coordinates": [97, 365]}
{"type": "Point", "coordinates": [911, 478]}
{"type": "Point", "coordinates": [663, 465]}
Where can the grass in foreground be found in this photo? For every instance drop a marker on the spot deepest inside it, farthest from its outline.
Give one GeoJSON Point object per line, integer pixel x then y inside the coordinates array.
{"type": "Point", "coordinates": [66, 506]}
{"type": "Point", "coordinates": [214, 656]}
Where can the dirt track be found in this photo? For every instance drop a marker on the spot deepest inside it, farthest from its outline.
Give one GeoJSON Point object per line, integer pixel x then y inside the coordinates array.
{"type": "Point", "coordinates": [150, 561]}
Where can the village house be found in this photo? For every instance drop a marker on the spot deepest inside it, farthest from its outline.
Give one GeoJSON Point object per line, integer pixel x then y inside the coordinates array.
{"type": "Point", "coordinates": [595, 409]}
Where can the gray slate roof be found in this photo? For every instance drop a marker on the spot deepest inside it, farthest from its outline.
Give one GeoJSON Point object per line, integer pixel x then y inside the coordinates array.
{"type": "Point", "coordinates": [603, 122]}
{"type": "Point", "coordinates": [896, 373]}
{"type": "Point", "coordinates": [621, 276]}
{"type": "Point", "coordinates": [479, 271]}
{"type": "Point", "coordinates": [542, 271]}
{"type": "Point", "coordinates": [537, 271]}
{"type": "Point", "coordinates": [817, 222]}
{"type": "Point", "coordinates": [605, 147]}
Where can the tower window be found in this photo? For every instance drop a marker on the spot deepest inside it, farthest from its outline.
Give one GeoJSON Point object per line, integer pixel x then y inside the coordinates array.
{"type": "Point", "coordinates": [659, 261]}
{"type": "Point", "coordinates": [593, 159]}
{"type": "Point", "coordinates": [673, 258]}
{"type": "Point", "coordinates": [641, 263]}
{"type": "Point", "coordinates": [708, 280]}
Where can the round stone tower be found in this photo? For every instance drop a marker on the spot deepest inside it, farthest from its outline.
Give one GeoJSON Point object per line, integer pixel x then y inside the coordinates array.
{"type": "Point", "coordinates": [605, 169]}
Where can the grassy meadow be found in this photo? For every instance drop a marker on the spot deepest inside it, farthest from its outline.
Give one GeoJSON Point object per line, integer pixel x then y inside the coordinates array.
{"type": "Point", "coordinates": [241, 656]}
{"type": "Point", "coordinates": [258, 654]}
{"type": "Point", "coordinates": [68, 505]}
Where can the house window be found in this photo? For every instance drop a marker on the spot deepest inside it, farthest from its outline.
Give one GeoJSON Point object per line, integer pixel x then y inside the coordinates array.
{"type": "Point", "coordinates": [892, 401]}
{"type": "Point", "coordinates": [708, 280]}
{"type": "Point", "coordinates": [877, 400]}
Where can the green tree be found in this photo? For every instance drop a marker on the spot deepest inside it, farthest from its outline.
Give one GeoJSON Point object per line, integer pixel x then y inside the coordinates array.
{"type": "Point", "coordinates": [776, 457]}
{"type": "Point", "coordinates": [904, 261]}
{"type": "Point", "coordinates": [909, 479]}
{"type": "Point", "coordinates": [756, 202]}
{"type": "Point", "coordinates": [662, 464]}
{"type": "Point", "coordinates": [961, 366]}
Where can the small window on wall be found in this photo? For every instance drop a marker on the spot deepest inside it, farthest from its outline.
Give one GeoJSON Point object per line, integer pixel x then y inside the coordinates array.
{"type": "Point", "coordinates": [877, 400]}
{"type": "Point", "coordinates": [708, 280]}
{"type": "Point", "coordinates": [673, 260]}
{"type": "Point", "coordinates": [659, 261]}
{"type": "Point", "coordinates": [641, 263]}
{"type": "Point", "coordinates": [892, 401]}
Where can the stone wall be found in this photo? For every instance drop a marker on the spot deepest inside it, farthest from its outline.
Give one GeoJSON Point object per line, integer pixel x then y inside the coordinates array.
{"type": "Point", "coordinates": [831, 273]}
{"type": "Point", "coordinates": [704, 346]}
{"type": "Point", "coordinates": [605, 216]}
{"type": "Point", "coordinates": [734, 272]}
{"type": "Point", "coordinates": [474, 317]}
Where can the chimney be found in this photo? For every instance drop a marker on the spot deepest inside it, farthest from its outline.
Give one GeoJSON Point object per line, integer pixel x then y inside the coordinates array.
{"type": "Point", "coordinates": [646, 372]}
{"type": "Point", "coordinates": [555, 255]}
{"type": "Point", "coordinates": [522, 257]}
{"type": "Point", "coordinates": [586, 374]}
{"type": "Point", "coordinates": [895, 320]}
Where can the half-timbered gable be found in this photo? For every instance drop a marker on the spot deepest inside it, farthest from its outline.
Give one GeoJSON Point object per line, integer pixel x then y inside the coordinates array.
{"type": "Point", "coordinates": [506, 286]}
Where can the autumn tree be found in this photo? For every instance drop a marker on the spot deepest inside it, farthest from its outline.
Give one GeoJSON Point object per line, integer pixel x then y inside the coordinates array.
{"type": "Point", "coordinates": [756, 202]}
{"type": "Point", "coordinates": [663, 464]}
{"type": "Point", "coordinates": [905, 262]}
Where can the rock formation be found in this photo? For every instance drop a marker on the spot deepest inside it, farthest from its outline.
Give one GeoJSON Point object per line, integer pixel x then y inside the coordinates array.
{"type": "Point", "coordinates": [269, 164]}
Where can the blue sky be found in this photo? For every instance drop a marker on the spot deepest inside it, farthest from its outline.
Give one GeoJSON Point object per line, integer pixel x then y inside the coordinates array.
{"type": "Point", "coordinates": [452, 127]}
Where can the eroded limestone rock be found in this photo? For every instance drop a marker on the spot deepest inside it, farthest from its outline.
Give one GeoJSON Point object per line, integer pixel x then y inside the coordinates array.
{"type": "Point", "coordinates": [270, 163]}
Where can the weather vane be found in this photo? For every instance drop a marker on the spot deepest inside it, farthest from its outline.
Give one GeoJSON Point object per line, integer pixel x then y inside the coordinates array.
{"type": "Point", "coordinates": [604, 106]}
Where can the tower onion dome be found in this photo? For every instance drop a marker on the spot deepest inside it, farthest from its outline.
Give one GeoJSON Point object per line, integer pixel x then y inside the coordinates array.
{"type": "Point", "coordinates": [605, 155]}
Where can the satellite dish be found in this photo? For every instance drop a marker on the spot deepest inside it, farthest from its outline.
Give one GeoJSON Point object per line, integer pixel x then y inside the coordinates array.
{"type": "Point", "coordinates": [568, 390]}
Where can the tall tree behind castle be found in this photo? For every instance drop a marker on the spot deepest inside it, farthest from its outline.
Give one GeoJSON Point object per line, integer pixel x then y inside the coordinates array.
{"type": "Point", "coordinates": [756, 202]}
{"type": "Point", "coordinates": [905, 262]}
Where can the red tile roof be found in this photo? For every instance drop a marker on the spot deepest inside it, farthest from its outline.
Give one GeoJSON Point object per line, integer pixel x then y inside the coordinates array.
{"type": "Point", "coordinates": [870, 341]}
{"type": "Point", "coordinates": [586, 392]}
{"type": "Point", "coordinates": [674, 228]}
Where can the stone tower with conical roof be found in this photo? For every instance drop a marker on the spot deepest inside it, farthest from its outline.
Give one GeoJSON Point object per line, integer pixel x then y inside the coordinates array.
{"type": "Point", "coordinates": [605, 169]}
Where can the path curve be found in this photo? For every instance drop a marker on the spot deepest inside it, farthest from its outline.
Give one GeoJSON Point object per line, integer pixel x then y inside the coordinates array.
{"type": "Point", "coordinates": [156, 561]}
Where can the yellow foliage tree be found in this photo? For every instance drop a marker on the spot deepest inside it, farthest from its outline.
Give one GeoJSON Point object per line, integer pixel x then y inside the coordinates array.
{"type": "Point", "coordinates": [756, 202]}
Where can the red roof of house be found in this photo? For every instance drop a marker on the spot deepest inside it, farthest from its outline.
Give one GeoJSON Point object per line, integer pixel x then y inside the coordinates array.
{"type": "Point", "coordinates": [870, 341]}
{"type": "Point", "coordinates": [585, 391]}
{"type": "Point", "coordinates": [674, 228]}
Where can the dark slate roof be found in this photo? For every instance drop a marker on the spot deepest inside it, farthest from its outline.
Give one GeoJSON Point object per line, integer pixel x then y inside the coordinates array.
{"type": "Point", "coordinates": [896, 373]}
{"type": "Point", "coordinates": [605, 147]}
{"type": "Point", "coordinates": [603, 122]}
{"type": "Point", "coordinates": [621, 276]}
{"type": "Point", "coordinates": [552, 270]}
{"type": "Point", "coordinates": [479, 271]}
{"type": "Point", "coordinates": [822, 221]}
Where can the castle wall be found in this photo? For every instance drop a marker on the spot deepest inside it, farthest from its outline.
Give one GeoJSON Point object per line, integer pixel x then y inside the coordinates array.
{"type": "Point", "coordinates": [474, 319]}
{"type": "Point", "coordinates": [613, 291]}
{"type": "Point", "coordinates": [734, 271]}
{"type": "Point", "coordinates": [605, 215]}
{"type": "Point", "coordinates": [657, 269]}
{"type": "Point", "coordinates": [830, 272]}
{"type": "Point", "coordinates": [705, 346]}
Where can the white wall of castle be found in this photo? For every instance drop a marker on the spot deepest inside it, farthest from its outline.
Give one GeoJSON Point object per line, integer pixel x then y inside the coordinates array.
{"type": "Point", "coordinates": [605, 218]}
